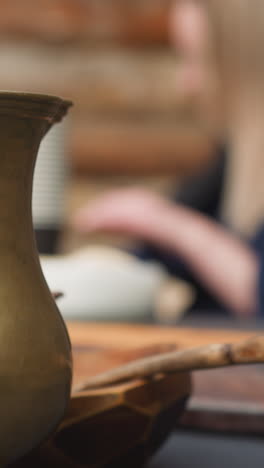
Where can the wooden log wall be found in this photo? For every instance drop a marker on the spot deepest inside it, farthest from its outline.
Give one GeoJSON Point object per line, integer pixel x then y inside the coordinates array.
{"type": "Point", "coordinates": [114, 60]}
{"type": "Point", "coordinates": [123, 21]}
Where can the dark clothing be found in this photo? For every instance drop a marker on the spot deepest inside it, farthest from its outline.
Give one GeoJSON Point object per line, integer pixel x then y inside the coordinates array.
{"type": "Point", "coordinates": [258, 245]}
{"type": "Point", "coordinates": [203, 192]}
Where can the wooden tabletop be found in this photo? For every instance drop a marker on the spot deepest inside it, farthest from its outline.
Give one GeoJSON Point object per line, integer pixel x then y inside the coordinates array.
{"type": "Point", "coordinates": [230, 399]}
{"type": "Point", "coordinates": [131, 336]}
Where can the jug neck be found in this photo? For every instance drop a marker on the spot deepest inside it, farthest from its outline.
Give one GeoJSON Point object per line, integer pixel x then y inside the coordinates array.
{"type": "Point", "coordinates": [24, 120]}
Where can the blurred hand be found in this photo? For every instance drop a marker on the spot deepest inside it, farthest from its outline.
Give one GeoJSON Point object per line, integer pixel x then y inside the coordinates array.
{"type": "Point", "coordinates": [224, 264]}
{"type": "Point", "coordinates": [132, 211]}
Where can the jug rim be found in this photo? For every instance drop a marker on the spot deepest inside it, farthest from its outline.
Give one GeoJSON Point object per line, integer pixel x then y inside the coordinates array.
{"type": "Point", "coordinates": [34, 105]}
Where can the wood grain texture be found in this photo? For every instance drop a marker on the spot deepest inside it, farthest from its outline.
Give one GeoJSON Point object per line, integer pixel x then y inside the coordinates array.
{"type": "Point", "coordinates": [227, 400]}
{"type": "Point", "coordinates": [124, 21]}
{"type": "Point", "coordinates": [211, 356]}
{"type": "Point", "coordinates": [110, 81]}
{"type": "Point", "coordinates": [133, 336]}
{"type": "Point", "coordinates": [129, 114]}
{"type": "Point", "coordinates": [109, 345]}
{"type": "Point", "coordinates": [223, 399]}
{"type": "Point", "coordinates": [132, 147]}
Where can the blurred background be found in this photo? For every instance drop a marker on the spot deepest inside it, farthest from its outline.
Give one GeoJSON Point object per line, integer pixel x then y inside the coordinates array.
{"type": "Point", "coordinates": [133, 121]}
{"type": "Point", "coordinates": [115, 61]}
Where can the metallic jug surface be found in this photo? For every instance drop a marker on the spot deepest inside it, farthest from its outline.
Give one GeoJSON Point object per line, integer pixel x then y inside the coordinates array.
{"type": "Point", "coordinates": [35, 351]}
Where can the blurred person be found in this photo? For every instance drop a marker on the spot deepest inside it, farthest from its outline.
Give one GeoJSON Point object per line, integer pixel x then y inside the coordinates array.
{"type": "Point", "coordinates": [228, 266]}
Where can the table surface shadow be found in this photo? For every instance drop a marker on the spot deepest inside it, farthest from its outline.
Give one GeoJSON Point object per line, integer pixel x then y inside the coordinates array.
{"type": "Point", "coordinates": [195, 450]}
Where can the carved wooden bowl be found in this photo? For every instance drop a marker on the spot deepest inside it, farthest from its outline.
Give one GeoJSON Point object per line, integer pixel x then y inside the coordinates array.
{"type": "Point", "coordinates": [114, 427]}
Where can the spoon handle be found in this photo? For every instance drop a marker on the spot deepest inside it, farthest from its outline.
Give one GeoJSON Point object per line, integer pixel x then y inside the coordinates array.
{"type": "Point", "coordinates": [205, 357]}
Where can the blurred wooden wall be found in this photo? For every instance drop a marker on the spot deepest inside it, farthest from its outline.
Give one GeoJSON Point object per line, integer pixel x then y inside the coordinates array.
{"type": "Point", "coordinates": [114, 60]}
{"type": "Point", "coordinates": [123, 21]}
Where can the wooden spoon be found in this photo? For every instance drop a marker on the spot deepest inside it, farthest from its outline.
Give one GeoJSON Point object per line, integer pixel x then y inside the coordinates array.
{"type": "Point", "coordinates": [205, 357]}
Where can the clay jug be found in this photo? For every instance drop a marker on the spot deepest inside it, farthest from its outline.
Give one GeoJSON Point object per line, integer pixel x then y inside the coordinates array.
{"type": "Point", "coordinates": [35, 351]}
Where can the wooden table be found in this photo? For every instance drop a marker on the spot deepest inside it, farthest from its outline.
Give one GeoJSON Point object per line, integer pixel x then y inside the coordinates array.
{"type": "Point", "coordinates": [224, 400]}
